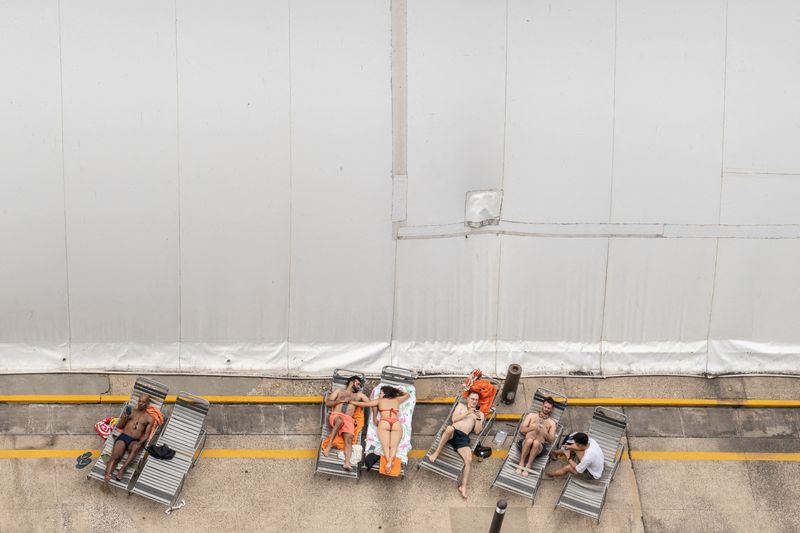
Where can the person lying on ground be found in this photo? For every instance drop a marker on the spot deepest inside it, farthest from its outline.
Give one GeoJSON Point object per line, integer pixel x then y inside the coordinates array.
{"type": "Point", "coordinates": [584, 458]}
{"type": "Point", "coordinates": [134, 425]}
{"type": "Point", "coordinates": [538, 430]}
{"type": "Point", "coordinates": [466, 419]}
{"type": "Point", "coordinates": [341, 419]}
{"type": "Point", "coordinates": [390, 431]}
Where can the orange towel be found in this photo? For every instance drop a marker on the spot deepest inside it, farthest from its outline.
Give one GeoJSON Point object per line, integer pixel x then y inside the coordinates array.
{"type": "Point", "coordinates": [157, 417]}
{"type": "Point", "coordinates": [338, 441]}
{"type": "Point", "coordinates": [486, 393]}
{"type": "Point", "coordinates": [394, 472]}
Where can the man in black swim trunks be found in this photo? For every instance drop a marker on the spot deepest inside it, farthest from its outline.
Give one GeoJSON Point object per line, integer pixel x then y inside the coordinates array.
{"type": "Point", "coordinates": [135, 425]}
{"type": "Point", "coordinates": [466, 419]}
{"type": "Point", "coordinates": [537, 430]}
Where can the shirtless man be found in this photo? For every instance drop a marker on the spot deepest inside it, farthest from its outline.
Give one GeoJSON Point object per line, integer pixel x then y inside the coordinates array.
{"type": "Point", "coordinates": [135, 426]}
{"type": "Point", "coordinates": [539, 429]}
{"type": "Point", "coordinates": [341, 419]}
{"type": "Point", "coordinates": [466, 419]}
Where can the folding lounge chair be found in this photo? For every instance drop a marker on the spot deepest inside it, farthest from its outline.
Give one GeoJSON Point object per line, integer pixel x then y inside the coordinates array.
{"type": "Point", "coordinates": [403, 379]}
{"type": "Point", "coordinates": [157, 392]}
{"type": "Point", "coordinates": [507, 477]}
{"type": "Point", "coordinates": [332, 465]}
{"type": "Point", "coordinates": [588, 497]}
{"type": "Point", "coordinates": [449, 464]}
{"type": "Point", "coordinates": [162, 480]}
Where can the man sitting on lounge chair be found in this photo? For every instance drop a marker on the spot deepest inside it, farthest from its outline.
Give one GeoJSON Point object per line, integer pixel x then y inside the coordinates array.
{"type": "Point", "coordinates": [341, 419]}
{"type": "Point", "coordinates": [584, 458]}
{"type": "Point", "coordinates": [135, 427]}
{"type": "Point", "coordinates": [539, 429]}
{"type": "Point", "coordinates": [466, 419]}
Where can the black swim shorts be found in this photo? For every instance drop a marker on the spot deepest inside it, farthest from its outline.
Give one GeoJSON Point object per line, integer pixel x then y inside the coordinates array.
{"type": "Point", "coordinates": [459, 440]}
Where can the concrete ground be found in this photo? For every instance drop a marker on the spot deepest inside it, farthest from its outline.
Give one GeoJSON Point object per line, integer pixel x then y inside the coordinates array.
{"type": "Point", "coordinates": [730, 492]}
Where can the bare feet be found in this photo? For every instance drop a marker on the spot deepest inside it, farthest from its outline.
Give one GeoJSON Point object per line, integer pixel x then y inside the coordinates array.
{"type": "Point", "coordinates": [432, 457]}
{"type": "Point", "coordinates": [524, 473]}
{"type": "Point", "coordinates": [463, 490]}
{"type": "Point", "coordinates": [326, 451]}
{"type": "Point", "coordinates": [107, 477]}
{"type": "Point", "coordinates": [119, 475]}
{"type": "Point", "coordinates": [347, 466]}
{"type": "Point", "coordinates": [519, 469]}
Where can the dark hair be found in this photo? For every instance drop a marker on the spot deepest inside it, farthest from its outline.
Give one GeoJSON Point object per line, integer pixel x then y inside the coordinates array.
{"type": "Point", "coordinates": [354, 378]}
{"type": "Point", "coordinates": [581, 438]}
{"type": "Point", "coordinates": [549, 400]}
{"type": "Point", "coordinates": [390, 392]}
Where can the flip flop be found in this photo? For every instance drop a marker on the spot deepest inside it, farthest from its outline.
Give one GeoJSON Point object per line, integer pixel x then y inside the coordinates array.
{"type": "Point", "coordinates": [83, 460]}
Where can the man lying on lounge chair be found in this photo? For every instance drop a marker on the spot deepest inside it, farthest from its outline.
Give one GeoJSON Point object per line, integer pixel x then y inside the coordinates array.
{"type": "Point", "coordinates": [341, 419]}
{"type": "Point", "coordinates": [135, 426]}
{"type": "Point", "coordinates": [466, 419]}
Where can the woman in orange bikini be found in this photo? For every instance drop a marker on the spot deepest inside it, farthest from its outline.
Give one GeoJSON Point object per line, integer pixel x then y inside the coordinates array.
{"type": "Point", "coordinates": [390, 432]}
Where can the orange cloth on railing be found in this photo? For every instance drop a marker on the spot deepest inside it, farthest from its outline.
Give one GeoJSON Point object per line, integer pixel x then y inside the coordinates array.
{"type": "Point", "coordinates": [486, 393]}
{"type": "Point", "coordinates": [338, 441]}
{"type": "Point", "coordinates": [157, 417]}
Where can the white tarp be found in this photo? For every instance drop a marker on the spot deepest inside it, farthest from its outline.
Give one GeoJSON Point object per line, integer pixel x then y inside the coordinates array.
{"type": "Point", "coordinates": [207, 186]}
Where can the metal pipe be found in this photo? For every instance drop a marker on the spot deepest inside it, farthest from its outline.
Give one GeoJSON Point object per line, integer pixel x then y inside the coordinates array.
{"type": "Point", "coordinates": [499, 514]}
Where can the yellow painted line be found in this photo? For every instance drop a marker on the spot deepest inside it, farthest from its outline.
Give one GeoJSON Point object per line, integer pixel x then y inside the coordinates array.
{"type": "Point", "coordinates": [447, 400]}
{"type": "Point", "coordinates": [232, 399]}
{"type": "Point", "coordinates": [50, 398]}
{"type": "Point", "coordinates": [44, 454]}
{"type": "Point", "coordinates": [682, 402]}
{"type": "Point", "coordinates": [238, 453]}
{"type": "Point", "coordinates": [638, 455]}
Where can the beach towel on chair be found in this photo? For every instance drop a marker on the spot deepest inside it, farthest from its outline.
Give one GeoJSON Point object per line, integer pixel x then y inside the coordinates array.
{"type": "Point", "coordinates": [338, 441]}
{"type": "Point", "coordinates": [405, 416]}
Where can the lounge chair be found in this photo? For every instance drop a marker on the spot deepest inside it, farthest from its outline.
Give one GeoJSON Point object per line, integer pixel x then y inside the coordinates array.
{"type": "Point", "coordinates": [507, 477]}
{"type": "Point", "coordinates": [162, 480]}
{"type": "Point", "coordinates": [332, 464]}
{"type": "Point", "coordinates": [157, 392]}
{"type": "Point", "coordinates": [588, 497]}
{"type": "Point", "coordinates": [449, 463]}
{"type": "Point", "coordinates": [403, 379]}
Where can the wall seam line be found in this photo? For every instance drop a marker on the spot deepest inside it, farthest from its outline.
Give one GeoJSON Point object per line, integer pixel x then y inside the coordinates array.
{"type": "Point", "coordinates": [64, 191]}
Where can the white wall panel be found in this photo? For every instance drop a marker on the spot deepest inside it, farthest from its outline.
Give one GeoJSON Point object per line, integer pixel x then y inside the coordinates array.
{"type": "Point", "coordinates": [551, 303]}
{"type": "Point", "coordinates": [756, 307]}
{"type": "Point", "coordinates": [757, 296]}
{"type": "Point", "coordinates": [764, 199]}
{"type": "Point", "coordinates": [446, 303]}
{"type": "Point", "coordinates": [658, 300]}
{"type": "Point", "coordinates": [342, 250]}
{"type": "Point", "coordinates": [669, 104]}
{"type": "Point", "coordinates": [33, 278]}
{"type": "Point", "coordinates": [762, 111]}
{"type": "Point", "coordinates": [456, 98]}
{"type": "Point", "coordinates": [120, 167]}
{"type": "Point", "coordinates": [233, 91]}
{"type": "Point", "coordinates": [560, 92]}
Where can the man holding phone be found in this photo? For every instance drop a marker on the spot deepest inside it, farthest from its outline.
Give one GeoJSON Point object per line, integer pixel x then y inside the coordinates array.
{"type": "Point", "coordinates": [134, 425]}
{"type": "Point", "coordinates": [466, 419]}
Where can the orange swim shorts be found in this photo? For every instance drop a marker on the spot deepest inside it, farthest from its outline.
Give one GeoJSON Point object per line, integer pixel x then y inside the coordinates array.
{"type": "Point", "coordinates": [348, 423]}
